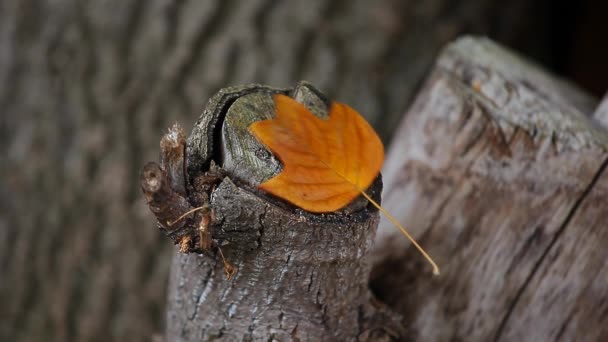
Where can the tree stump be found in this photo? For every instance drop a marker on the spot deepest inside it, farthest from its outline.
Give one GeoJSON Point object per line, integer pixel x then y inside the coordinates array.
{"type": "Point", "coordinates": [499, 169]}
{"type": "Point", "coordinates": [301, 276]}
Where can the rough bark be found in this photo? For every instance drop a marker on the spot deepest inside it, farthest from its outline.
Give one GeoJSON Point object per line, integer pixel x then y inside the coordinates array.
{"type": "Point", "coordinates": [300, 276]}
{"type": "Point", "coordinates": [86, 88]}
{"type": "Point", "coordinates": [500, 170]}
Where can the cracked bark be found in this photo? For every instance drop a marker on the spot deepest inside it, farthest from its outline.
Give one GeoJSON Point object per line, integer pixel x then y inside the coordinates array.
{"type": "Point", "coordinates": [301, 276]}
{"type": "Point", "coordinates": [500, 170]}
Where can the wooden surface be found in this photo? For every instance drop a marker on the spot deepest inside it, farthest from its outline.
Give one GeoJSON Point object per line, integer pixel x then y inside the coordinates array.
{"type": "Point", "coordinates": [499, 169]}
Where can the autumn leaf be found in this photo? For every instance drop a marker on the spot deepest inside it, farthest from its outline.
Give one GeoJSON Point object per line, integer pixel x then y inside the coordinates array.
{"type": "Point", "coordinates": [327, 163]}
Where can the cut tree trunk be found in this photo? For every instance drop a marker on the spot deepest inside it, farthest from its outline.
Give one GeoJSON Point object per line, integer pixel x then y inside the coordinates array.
{"type": "Point", "coordinates": [499, 169]}
{"type": "Point", "coordinates": [301, 276]}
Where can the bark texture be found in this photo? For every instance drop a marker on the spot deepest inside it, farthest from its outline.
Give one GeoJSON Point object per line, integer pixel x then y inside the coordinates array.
{"type": "Point", "coordinates": [87, 87]}
{"type": "Point", "coordinates": [300, 276]}
{"type": "Point", "coordinates": [500, 170]}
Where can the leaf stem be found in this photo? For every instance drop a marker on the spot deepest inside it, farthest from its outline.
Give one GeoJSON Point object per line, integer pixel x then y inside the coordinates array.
{"type": "Point", "coordinates": [396, 223]}
{"type": "Point", "coordinates": [186, 214]}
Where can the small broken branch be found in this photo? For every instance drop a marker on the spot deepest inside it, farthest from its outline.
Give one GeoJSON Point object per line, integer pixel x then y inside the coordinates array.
{"type": "Point", "coordinates": [301, 276]}
{"type": "Point", "coordinates": [166, 204]}
{"type": "Point", "coordinates": [172, 156]}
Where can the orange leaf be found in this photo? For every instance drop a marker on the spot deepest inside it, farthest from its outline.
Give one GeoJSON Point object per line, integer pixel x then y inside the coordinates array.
{"type": "Point", "coordinates": [326, 163]}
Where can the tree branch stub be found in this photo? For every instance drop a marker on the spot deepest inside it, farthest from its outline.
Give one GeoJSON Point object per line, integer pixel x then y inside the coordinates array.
{"type": "Point", "coordinates": [300, 275]}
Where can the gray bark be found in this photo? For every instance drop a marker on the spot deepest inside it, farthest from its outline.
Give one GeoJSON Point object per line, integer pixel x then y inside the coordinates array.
{"type": "Point", "coordinates": [87, 87]}
{"type": "Point", "coordinates": [300, 276]}
{"type": "Point", "coordinates": [303, 277]}
{"type": "Point", "coordinates": [500, 170]}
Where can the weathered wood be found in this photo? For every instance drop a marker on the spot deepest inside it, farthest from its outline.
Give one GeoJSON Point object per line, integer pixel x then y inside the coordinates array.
{"type": "Point", "coordinates": [300, 276]}
{"type": "Point", "coordinates": [499, 170]}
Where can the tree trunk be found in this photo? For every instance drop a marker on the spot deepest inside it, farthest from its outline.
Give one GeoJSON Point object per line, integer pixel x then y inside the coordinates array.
{"type": "Point", "coordinates": [301, 276]}
{"type": "Point", "coordinates": [500, 170]}
{"type": "Point", "coordinates": [86, 88]}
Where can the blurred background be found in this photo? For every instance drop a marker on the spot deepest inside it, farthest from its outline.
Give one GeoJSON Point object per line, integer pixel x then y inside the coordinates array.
{"type": "Point", "coordinates": [87, 88]}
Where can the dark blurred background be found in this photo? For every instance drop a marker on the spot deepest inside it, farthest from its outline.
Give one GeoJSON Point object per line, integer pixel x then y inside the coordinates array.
{"type": "Point", "coordinates": [88, 87]}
